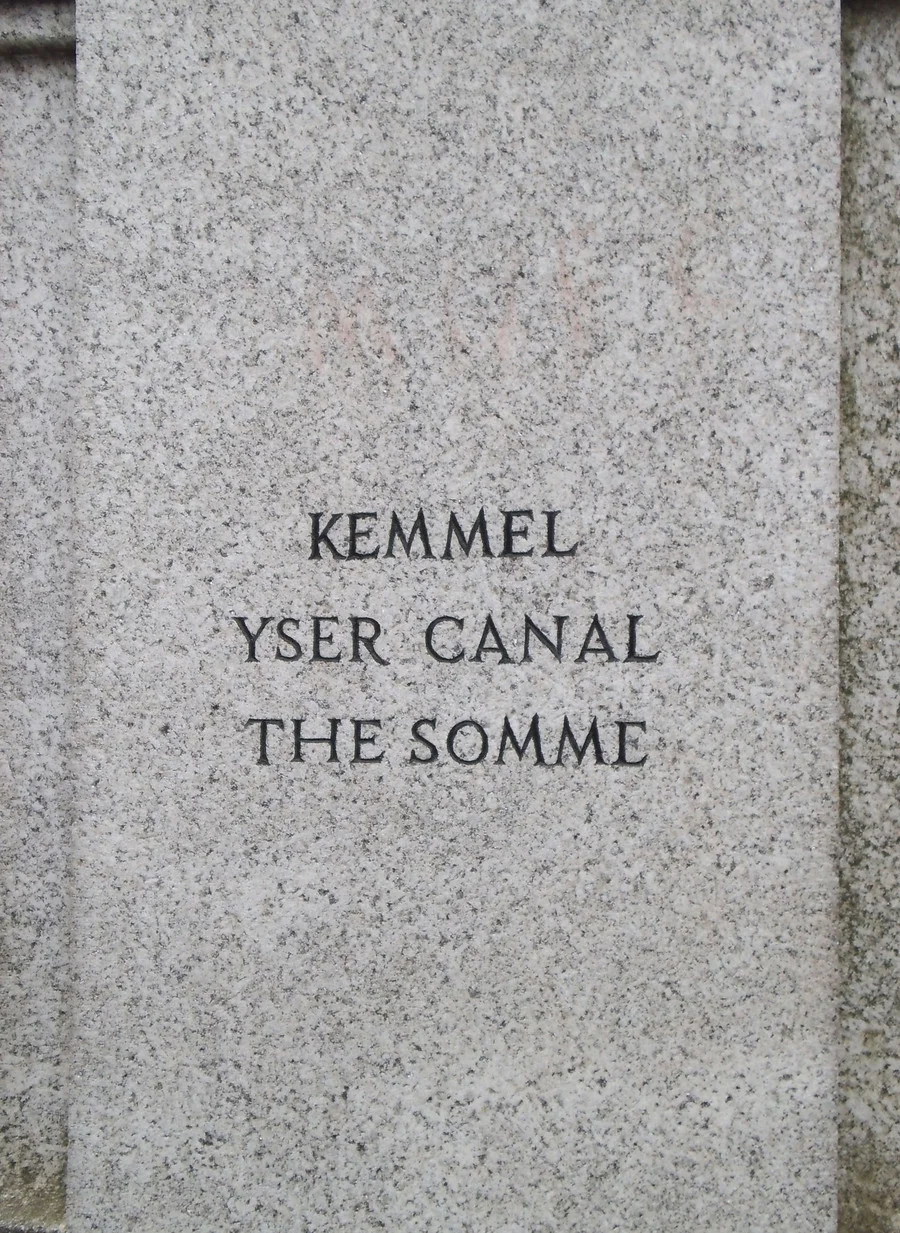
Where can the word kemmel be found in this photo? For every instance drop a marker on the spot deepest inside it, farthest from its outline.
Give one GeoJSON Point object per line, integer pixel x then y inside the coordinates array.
{"type": "Point", "coordinates": [467, 742]}
{"type": "Point", "coordinates": [352, 537]}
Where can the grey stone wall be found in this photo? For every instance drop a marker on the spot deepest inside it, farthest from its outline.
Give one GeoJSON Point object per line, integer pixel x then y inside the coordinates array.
{"type": "Point", "coordinates": [36, 226]}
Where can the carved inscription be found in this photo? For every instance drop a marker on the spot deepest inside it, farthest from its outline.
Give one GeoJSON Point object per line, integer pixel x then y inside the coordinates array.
{"type": "Point", "coordinates": [493, 638]}
{"type": "Point", "coordinates": [355, 536]}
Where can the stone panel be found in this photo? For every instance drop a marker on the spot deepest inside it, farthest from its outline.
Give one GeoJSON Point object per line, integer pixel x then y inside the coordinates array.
{"type": "Point", "coordinates": [374, 259]}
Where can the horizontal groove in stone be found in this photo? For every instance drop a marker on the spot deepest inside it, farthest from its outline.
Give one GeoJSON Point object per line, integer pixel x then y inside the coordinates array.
{"type": "Point", "coordinates": [35, 47]}
{"type": "Point", "coordinates": [35, 28]}
{"type": "Point", "coordinates": [32, 1228]}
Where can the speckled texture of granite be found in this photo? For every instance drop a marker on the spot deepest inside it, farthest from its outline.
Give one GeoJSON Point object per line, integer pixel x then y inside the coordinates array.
{"type": "Point", "coordinates": [870, 1124]}
{"type": "Point", "coordinates": [37, 219]}
{"type": "Point", "coordinates": [550, 256]}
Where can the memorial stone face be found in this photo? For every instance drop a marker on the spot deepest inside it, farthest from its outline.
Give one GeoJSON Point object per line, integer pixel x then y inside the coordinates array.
{"type": "Point", "coordinates": [455, 742]}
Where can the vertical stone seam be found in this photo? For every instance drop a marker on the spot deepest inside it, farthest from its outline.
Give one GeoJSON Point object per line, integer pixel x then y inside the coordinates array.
{"type": "Point", "coordinates": [869, 1173]}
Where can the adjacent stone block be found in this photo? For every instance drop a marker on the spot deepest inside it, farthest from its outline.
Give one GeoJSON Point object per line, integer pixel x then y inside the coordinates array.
{"type": "Point", "coordinates": [37, 222]}
{"type": "Point", "coordinates": [870, 1079]}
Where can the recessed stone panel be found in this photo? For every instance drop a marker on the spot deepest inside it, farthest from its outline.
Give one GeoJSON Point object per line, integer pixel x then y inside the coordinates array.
{"type": "Point", "coordinates": [456, 742]}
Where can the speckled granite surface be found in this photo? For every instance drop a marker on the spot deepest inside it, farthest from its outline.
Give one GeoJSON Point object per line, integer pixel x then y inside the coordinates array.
{"type": "Point", "coordinates": [36, 269]}
{"type": "Point", "coordinates": [544, 257]}
{"type": "Point", "coordinates": [870, 1146]}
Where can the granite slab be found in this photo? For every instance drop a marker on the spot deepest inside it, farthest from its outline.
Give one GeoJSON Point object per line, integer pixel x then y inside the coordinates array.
{"type": "Point", "coordinates": [350, 272]}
